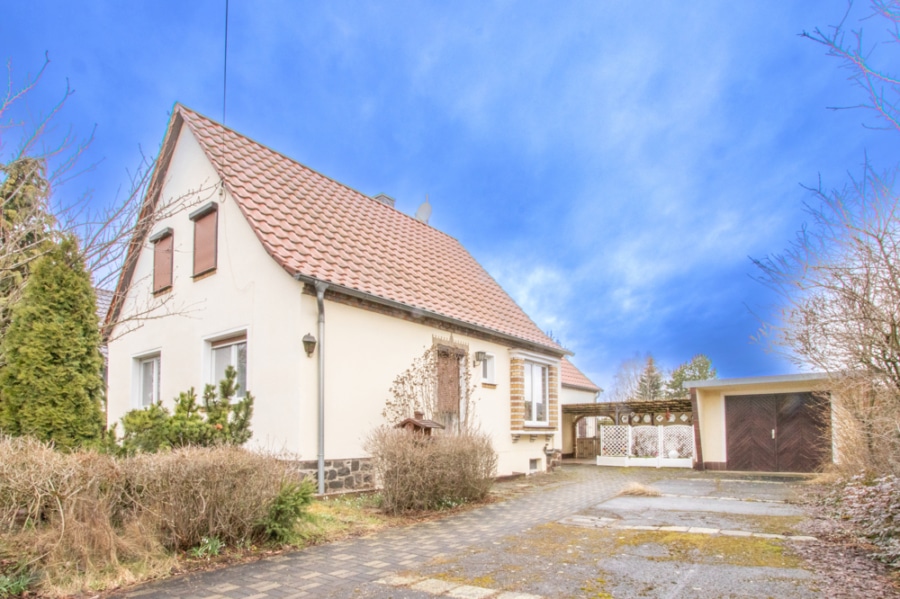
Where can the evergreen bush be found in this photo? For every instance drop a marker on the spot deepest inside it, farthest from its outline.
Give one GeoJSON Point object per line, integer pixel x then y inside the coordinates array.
{"type": "Point", "coordinates": [218, 421]}
{"type": "Point", "coordinates": [51, 386]}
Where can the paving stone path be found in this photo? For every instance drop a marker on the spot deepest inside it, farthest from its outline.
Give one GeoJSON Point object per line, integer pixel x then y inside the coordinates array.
{"type": "Point", "coordinates": [335, 569]}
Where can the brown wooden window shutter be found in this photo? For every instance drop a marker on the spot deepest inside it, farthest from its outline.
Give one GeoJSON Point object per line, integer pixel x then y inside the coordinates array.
{"type": "Point", "coordinates": [163, 250]}
{"type": "Point", "coordinates": [448, 392]}
{"type": "Point", "coordinates": [205, 238]}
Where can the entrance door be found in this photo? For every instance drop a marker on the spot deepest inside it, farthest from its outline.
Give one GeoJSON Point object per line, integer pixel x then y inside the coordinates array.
{"type": "Point", "coordinates": [776, 433]}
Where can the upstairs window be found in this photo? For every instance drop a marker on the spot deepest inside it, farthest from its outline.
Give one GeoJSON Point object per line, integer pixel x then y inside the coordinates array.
{"type": "Point", "coordinates": [205, 238]}
{"type": "Point", "coordinates": [163, 246]}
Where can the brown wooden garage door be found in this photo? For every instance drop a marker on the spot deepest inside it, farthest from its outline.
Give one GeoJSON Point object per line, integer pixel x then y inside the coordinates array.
{"type": "Point", "coordinates": [784, 432]}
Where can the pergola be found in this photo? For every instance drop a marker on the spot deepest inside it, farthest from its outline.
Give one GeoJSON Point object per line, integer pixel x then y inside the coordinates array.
{"type": "Point", "coordinates": [633, 413]}
{"type": "Point", "coordinates": [616, 409]}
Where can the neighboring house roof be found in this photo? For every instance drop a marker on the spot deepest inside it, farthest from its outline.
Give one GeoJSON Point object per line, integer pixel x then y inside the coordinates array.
{"type": "Point", "coordinates": [317, 228]}
{"type": "Point", "coordinates": [104, 301]}
{"type": "Point", "coordinates": [570, 376]}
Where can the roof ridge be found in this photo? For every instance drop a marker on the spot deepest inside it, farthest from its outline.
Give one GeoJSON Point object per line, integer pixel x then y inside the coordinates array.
{"type": "Point", "coordinates": [183, 108]}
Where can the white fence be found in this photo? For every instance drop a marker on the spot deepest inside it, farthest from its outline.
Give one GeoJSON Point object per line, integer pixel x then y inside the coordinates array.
{"type": "Point", "coordinates": [648, 446]}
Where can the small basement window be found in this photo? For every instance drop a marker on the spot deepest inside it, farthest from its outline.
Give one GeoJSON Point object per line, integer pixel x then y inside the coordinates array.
{"type": "Point", "coordinates": [534, 465]}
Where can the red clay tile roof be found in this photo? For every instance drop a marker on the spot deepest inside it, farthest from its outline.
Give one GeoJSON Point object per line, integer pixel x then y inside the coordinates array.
{"type": "Point", "coordinates": [314, 226]}
{"type": "Point", "coordinates": [572, 377]}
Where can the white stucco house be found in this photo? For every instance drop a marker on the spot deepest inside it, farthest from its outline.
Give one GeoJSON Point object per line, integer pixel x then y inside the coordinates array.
{"type": "Point", "coordinates": [247, 253]}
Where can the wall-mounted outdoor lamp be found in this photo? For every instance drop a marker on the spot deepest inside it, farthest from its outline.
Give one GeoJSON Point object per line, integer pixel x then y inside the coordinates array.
{"type": "Point", "coordinates": [309, 344]}
{"type": "Point", "coordinates": [480, 357]}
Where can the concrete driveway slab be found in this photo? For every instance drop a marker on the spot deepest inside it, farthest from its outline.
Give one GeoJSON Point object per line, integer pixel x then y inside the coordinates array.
{"type": "Point", "coordinates": [519, 549]}
{"type": "Point", "coordinates": [729, 486]}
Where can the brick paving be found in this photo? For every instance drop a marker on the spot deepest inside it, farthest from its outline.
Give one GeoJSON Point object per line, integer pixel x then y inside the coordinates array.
{"type": "Point", "coordinates": [336, 569]}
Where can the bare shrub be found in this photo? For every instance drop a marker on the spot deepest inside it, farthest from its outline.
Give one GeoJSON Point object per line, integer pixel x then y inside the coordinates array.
{"type": "Point", "coordinates": [866, 422]}
{"type": "Point", "coordinates": [87, 520]}
{"type": "Point", "coordinates": [425, 473]}
{"type": "Point", "coordinates": [63, 515]}
{"type": "Point", "coordinates": [198, 492]}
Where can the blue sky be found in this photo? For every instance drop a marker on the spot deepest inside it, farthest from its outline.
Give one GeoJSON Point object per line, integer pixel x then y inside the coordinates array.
{"type": "Point", "coordinates": [613, 165]}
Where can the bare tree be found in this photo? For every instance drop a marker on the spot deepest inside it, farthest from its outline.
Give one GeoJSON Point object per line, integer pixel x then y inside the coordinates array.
{"type": "Point", "coordinates": [418, 389]}
{"type": "Point", "coordinates": [869, 71]}
{"type": "Point", "coordinates": [35, 160]}
{"type": "Point", "coordinates": [626, 379]}
{"type": "Point", "coordinates": [839, 281]}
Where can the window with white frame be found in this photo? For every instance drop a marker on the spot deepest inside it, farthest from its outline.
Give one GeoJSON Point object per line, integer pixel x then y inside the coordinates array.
{"type": "Point", "coordinates": [487, 369]}
{"type": "Point", "coordinates": [536, 396]}
{"type": "Point", "coordinates": [148, 381]}
{"type": "Point", "coordinates": [230, 352]}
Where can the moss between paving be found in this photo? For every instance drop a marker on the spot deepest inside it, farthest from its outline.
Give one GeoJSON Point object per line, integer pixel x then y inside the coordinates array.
{"type": "Point", "coordinates": [565, 561]}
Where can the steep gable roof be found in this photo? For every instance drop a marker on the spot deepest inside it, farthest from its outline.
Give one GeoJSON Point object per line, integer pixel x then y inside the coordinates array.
{"type": "Point", "coordinates": [317, 228]}
{"type": "Point", "coordinates": [570, 376]}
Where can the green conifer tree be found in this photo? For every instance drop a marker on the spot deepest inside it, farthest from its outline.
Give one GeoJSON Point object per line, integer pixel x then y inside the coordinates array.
{"type": "Point", "coordinates": [26, 227]}
{"type": "Point", "coordinates": [649, 387]}
{"type": "Point", "coordinates": [51, 386]}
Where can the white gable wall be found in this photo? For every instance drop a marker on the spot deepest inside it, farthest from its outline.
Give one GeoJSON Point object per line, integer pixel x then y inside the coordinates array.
{"type": "Point", "coordinates": [250, 293]}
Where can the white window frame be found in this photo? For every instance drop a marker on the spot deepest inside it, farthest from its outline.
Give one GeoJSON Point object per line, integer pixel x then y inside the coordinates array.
{"type": "Point", "coordinates": [138, 387]}
{"type": "Point", "coordinates": [230, 339]}
{"type": "Point", "coordinates": [489, 369]}
{"type": "Point", "coordinates": [528, 391]}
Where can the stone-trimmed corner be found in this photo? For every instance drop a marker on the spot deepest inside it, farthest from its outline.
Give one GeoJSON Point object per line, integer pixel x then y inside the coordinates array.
{"type": "Point", "coordinates": [517, 397]}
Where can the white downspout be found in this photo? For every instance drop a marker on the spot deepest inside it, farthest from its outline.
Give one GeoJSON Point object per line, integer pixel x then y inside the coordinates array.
{"type": "Point", "coordinates": [320, 301]}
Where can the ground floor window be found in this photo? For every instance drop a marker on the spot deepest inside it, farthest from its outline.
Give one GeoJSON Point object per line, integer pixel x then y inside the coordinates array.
{"type": "Point", "coordinates": [536, 394]}
{"type": "Point", "coordinates": [148, 380]}
{"type": "Point", "coordinates": [230, 352]}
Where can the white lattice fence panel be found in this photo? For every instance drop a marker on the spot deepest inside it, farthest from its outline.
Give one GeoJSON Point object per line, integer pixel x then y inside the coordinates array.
{"type": "Point", "coordinates": [645, 441]}
{"type": "Point", "coordinates": [614, 440]}
{"type": "Point", "coordinates": [680, 439]}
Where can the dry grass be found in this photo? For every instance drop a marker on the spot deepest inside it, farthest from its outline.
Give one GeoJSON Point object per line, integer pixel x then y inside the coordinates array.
{"type": "Point", "coordinates": [639, 490]}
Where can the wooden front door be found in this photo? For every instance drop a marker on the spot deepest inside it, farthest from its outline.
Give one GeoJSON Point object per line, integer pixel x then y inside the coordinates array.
{"type": "Point", "coordinates": [776, 433]}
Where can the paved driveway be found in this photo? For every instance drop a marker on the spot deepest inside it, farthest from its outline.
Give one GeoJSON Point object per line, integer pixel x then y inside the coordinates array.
{"type": "Point", "coordinates": [704, 536]}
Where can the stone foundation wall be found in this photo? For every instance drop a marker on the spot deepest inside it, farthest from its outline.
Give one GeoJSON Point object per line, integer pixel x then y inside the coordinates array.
{"type": "Point", "coordinates": [340, 475]}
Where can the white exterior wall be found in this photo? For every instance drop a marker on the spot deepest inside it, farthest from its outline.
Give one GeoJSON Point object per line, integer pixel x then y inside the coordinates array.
{"type": "Point", "coordinates": [248, 292]}
{"type": "Point", "coordinates": [364, 350]}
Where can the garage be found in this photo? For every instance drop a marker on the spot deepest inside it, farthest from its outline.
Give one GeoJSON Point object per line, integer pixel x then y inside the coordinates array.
{"type": "Point", "coordinates": [763, 424]}
{"type": "Point", "coordinates": [784, 432]}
